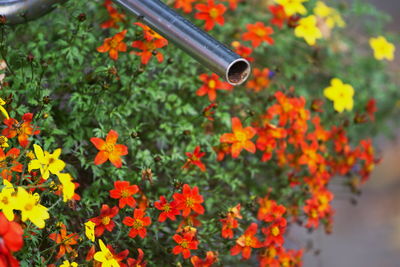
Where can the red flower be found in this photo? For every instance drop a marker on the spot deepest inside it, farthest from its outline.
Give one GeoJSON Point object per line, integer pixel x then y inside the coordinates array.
{"type": "Point", "coordinates": [189, 200]}
{"type": "Point", "coordinates": [230, 222]}
{"type": "Point", "coordinates": [104, 221]}
{"type": "Point", "coordinates": [186, 243]}
{"type": "Point", "coordinates": [260, 79]}
{"type": "Point", "coordinates": [211, 13]}
{"type": "Point", "coordinates": [149, 49]}
{"type": "Point", "coordinates": [9, 163]}
{"type": "Point", "coordinates": [138, 223]}
{"type": "Point", "coordinates": [169, 210]}
{"type": "Point", "coordinates": [210, 259]}
{"type": "Point", "coordinates": [137, 262]}
{"type": "Point", "coordinates": [65, 241]}
{"type": "Point", "coordinates": [109, 150]}
{"type": "Point", "coordinates": [274, 232]}
{"type": "Point", "coordinates": [185, 5]}
{"type": "Point", "coordinates": [243, 51]}
{"type": "Point", "coordinates": [371, 109]}
{"type": "Point", "coordinates": [246, 242]}
{"type": "Point", "coordinates": [148, 33]}
{"type": "Point", "coordinates": [195, 159]}
{"type": "Point", "coordinates": [23, 129]}
{"type": "Point", "coordinates": [279, 15]}
{"type": "Point", "coordinates": [115, 16]}
{"type": "Point", "coordinates": [258, 33]}
{"type": "Point", "coordinates": [113, 45]}
{"type": "Point", "coordinates": [208, 111]}
{"type": "Point", "coordinates": [240, 138]}
{"type": "Point", "coordinates": [10, 241]}
{"type": "Point", "coordinates": [124, 192]}
{"type": "Point", "coordinates": [310, 156]}
{"type": "Point", "coordinates": [119, 257]}
{"type": "Point", "coordinates": [222, 150]}
{"type": "Point", "coordinates": [212, 83]}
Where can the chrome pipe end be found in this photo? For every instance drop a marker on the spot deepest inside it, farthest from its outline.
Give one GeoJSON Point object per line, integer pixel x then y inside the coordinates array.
{"type": "Point", "coordinates": [238, 72]}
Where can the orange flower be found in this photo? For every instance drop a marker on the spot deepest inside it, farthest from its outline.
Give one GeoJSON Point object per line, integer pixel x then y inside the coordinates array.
{"type": "Point", "coordinates": [260, 79]}
{"type": "Point", "coordinates": [212, 83]}
{"type": "Point", "coordinates": [169, 210]}
{"type": "Point", "coordinates": [109, 150]}
{"type": "Point", "coordinates": [243, 50]}
{"type": "Point", "coordinates": [113, 45]}
{"type": "Point", "coordinates": [149, 48]}
{"type": "Point", "coordinates": [137, 262]}
{"type": "Point", "coordinates": [310, 156]}
{"type": "Point", "coordinates": [104, 221]}
{"type": "Point", "coordinates": [240, 138]}
{"type": "Point", "coordinates": [246, 242]}
{"type": "Point", "coordinates": [115, 16]}
{"type": "Point", "coordinates": [279, 15]}
{"type": "Point", "coordinates": [65, 241]}
{"type": "Point", "coordinates": [195, 159]}
{"type": "Point", "coordinates": [211, 258]}
{"type": "Point", "coordinates": [211, 13]}
{"type": "Point", "coordinates": [185, 5]}
{"type": "Point", "coordinates": [230, 222]}
{"type": "Point", "coordinates": [258, 33]}
{"type": "Point", "coordinates": [186, 243]}
{"type": "Point", "coordinates": [138, 223]}
{"type": "Point", "coordinates": [148, 32]}
{"type": "Point", "coordinates": [11, 240]}
{"type": "Point", "coordinates": [274, 232]}
{"type": "Point", "coordinates": [9, 163]}
{"type": "Point", "coordinates": [189, 200]}
{"type": "Point", "coordinates": [23, 129]}
{"type": "Point", "coordinates": [233, 3]}
{"type": "Point", "coordinates": [124, 192]}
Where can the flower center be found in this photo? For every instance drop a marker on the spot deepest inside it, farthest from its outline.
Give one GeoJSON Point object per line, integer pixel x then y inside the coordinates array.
{"type": "Point", "coordinates": [113, 43]}
{"type": "Point", "coordinates": [212, 84]}
{"type": "Point", "coordinates": [184, 244]}
{"type": "Point", "coordinates": [167, 208]}
{"type": "Point", "coordinates": [275, 231]}
{"type": "Point", "coordinates": [125, 193]}
{"type": "Point", "coordinates": [260, 32]}
{"type": "Point", "coordinates": [241, 136]}
{"type": "Point", "coordinates": [28, 207]}
{"type": "Point", "coordinates": [4, 200]}
{"type": "Point", "coordinates": [248, 241]}
{"type": "Point", "coordinates": [109, 148]}
{"type": "Point", "coordinates": [189, 202]}
{"type": "Point", "coordinates": [137, 224]}
{"type": "Point", "coordinates": [105, 220]}
{"type": "Point", "coordinates": [214, 13]}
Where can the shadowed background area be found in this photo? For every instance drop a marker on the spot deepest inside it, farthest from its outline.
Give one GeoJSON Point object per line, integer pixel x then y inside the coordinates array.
{"type": "Point", "coordinates": [366, 232]}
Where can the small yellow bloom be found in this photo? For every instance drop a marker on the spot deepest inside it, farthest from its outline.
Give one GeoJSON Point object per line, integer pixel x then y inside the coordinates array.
{"type": "Point", "coordinates": [47, 163]}
{"type": "Point", "coordinates": [307, 29]}
{"type": "Point", "coordinates": [382, 48]}
{"type": "Point", "coordinates": [30, 208]}
{"type": "Point", "coordinates": [330, 15]}
{"type": "Point", "coordinates": [67, 264]}
{"type": "Point", "coordinates": [105, 256]}
{"type": "Point", "coordinates": [7, 200]}
{"type": "Point", "coordinates": [30, 155]}
{"type": "Point", "coordinates": [341, 94]}
{"type": "Point", "coordinates": [3, 141]}
{"type": "Point", "coordinates": [68, 187]}
{"type": "Point", "coordinates": [293, 6]}
{"type": "Point", "coordinates": [2, 109]}
{"type": "Point", "coordinates": [89, 230]}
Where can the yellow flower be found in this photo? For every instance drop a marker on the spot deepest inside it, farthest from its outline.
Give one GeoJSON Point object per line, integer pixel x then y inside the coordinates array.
{"type": "Point", "coordinates": [308, 29]}
{"type": "Point", "coordinates": [30, 208]}
{"type": "Point", "coordinates": [7, 200]}
{"type": "Point", "coordinates": [105, 256]}
{"type": "Point", "coordinates": [3, 141]}
{"type": "Point", "coordinates": [341, 94]}
{"type": "Point", "coordinates": [68, 187]}
{"type": "Point", "coordinates": [46, 162]}
{"type": "Point", "coordinates": [330, 15]}
{"type": "Point", "coordinates": [382, 48]}
{"type": "Point", "coordinates": [293, 6]}
{"type": "Point", "coordinates": [2, 109]}
{"type": "Point", "coordinates": [67, 264]}
{"type": "Point", "coordinates": [89, 230]}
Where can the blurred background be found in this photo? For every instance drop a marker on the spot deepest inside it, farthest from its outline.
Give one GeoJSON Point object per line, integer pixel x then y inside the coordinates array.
{"type": "Point", "coordinates": [366, 230]}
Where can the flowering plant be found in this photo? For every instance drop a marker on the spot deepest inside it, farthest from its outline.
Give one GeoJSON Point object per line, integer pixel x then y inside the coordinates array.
{"type": "Point", "coordinates": [118, 150]}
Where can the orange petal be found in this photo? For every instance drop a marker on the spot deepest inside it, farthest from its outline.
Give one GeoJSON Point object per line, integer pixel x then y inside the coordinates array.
{"type": "Point", "coordinates": [101, 157]}
{"type": "Point", "coordinates": [98, 143]}
{"type": "Point", "coordinates": [112, 137]}
{"type": "Point", "coordinates": [236, 124]}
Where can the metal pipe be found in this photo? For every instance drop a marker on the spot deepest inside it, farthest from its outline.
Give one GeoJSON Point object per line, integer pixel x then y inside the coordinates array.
{"type": "Point", "coordinates": [190, 39]}
{"type": "Point", "coordinates": [201, 46]}
{"type": "Point", "coordinates": [18, 11]}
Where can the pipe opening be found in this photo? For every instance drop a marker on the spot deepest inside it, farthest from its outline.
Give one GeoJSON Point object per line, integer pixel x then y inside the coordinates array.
{"type": "Point", "coordinates": [238, 72]}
